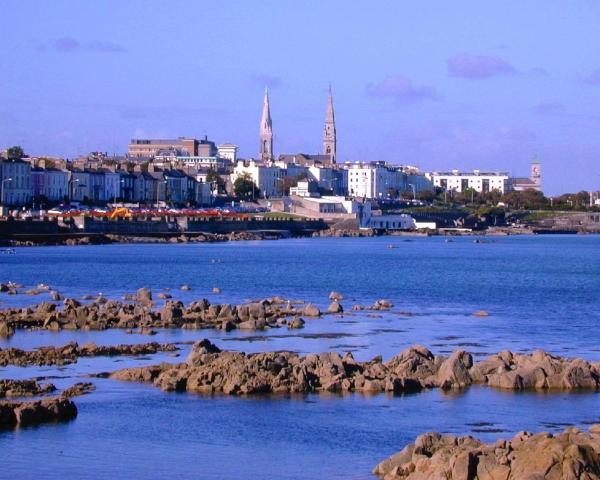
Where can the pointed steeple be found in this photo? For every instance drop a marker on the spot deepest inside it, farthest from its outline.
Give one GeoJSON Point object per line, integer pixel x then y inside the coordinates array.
{"type": "Point", "coordinates": [266, 131]}
{"type": "Point", "coordinates": [329, 136]}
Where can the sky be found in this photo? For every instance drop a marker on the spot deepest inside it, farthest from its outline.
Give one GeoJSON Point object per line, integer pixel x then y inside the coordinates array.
{"type": "Point", "coordinates": [440, 85]}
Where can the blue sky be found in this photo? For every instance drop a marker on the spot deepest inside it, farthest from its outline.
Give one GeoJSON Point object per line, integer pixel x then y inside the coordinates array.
{"type": "Point", "coordinates": [441, 85]}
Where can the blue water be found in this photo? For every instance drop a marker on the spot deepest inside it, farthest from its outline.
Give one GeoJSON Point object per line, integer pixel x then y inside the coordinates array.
{"type": "Point", "coordinates": [541, 292]}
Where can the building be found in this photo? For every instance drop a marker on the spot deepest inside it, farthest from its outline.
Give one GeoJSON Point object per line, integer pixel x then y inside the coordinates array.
{"type": "Point", "coordinates": [15, 182]}
{"type": "Point", "coordinates": [477, 180]}
{"type": "Point", "coordinates": [80, 185]}
{"type": "Point", "coordinates": [534, 182]}
{"type": "Point", "coordinates": [51, 184]}
{"type": "Point", "coordinates": [392, 222]}
{"type": "Point", "coordinates": [305, 188]}
{"type": "Point", "coordinates": [265, 177]}
{"type": "Point", "coordinates": [374, 180]}
{"type": "Point", "coordinates": [147, 148]}
{"type": "Point", "coordinates": [303, 159]}
{"type": "Point", "coordinates": [228, 151]}
{"type": "Point", "coordinates": [330, 178]}
{"type": "Point", "coordinates": [146, 188]}
{"type": "Point", "coordinates": [265, 151]}
{"type": "Point", "coordinates": [329, 134]}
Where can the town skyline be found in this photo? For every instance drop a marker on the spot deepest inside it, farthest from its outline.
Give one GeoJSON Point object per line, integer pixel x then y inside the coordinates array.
{"type": "Point", "coordinates": [484, 94]}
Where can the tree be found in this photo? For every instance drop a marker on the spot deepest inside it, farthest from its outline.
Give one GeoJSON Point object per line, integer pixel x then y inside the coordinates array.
{"type": "Point", "coordinates": [528, 199]}
{"type": "Point", "coordinates": [213, 177]}
{"type": "Point", "coordinates": [426, 195]}
{"type": "Point", "coordinates": [244, 187]}
{"type": "Point", "coordinates": [15, 153]}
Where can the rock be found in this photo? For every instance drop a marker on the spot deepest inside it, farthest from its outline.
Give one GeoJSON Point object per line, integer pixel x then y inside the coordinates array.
{"type": "Point", "coordinates": [55, 296]}
{"type": "Point", "coordinates": [32, 291]}
{"type": "Point", "coordinates": [6, 330]}
{"type": "Point", "coordinates": [382, 305]}
{"type": "Point", "coordinates": [144, 297]}
{"type": "Point", "coordinates": [296, 323]}
{"type": "Point", "coordinates": [571, 454]}
{"type": "Point", "coordinates": [185, 288]}
{"type": "Point", "coordinates": [255, 324]}
{"type": "Point", "coordinates": [14, 414]}
{"type": "Point", "coordinates": [311, 310]}
{"type": "Point", "coordinates": [81, 388]}
{"type": "Point", "coordinates": [67, 354]}
{"type": "Point", "coordinates": [24, 388]}
{"type": "Point", "coordinates": [481, 313]}
{"type": "Point", "coordinates": [337, 296]}
{"type": "Point", "coordinates": [454, 372]}
{"type": "Point", "coordinates": [335, 307]}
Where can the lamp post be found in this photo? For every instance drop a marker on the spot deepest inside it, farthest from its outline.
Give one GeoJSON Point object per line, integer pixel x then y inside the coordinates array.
{"type": "Point", "coordinates": [414, 191]}
{"type": "Point", "coordinates": [158, 182]}
{"type": "Point", "coordinates": [2, 191]}
{"type": "Point", "coordinates": [71, 182]}
{"type": "Point", "coordinates": [121, 182]}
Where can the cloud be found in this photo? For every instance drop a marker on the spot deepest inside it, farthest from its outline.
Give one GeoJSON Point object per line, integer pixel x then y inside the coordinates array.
{"type": "Point", "coordinates": [71, 45]}
{"type": "Point", "coordinates": [593, 78]}
{"type": "Point", "coordinates": [550, 109]}
{"type": "Point", "coordinates": [271, 81]}
{"type": "Point", "coordinates": [401, 89]}
{"type": "Point", "coordinates": [468, 65]}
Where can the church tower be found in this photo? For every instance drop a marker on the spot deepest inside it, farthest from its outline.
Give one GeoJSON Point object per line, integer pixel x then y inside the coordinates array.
{"type": "Point", "coordinates": [265, 151]}
{"type": "Point", "coordinates": [329, 141]}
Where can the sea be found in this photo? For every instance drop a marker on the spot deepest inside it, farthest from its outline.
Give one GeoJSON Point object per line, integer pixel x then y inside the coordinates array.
{"type": "Point", "coordinates": [540, 292]}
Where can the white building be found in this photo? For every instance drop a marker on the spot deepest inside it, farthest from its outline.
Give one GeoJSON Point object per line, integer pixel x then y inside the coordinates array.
{"type": "Point", "coordinates": [56, 184]}
{"type": "Point", "coordinates": [373, 180]}
{"type": "Point", "coordinates": [15, 186]}
{"type": "Point", "coordinates": [228, 151]}
{"type": "Point", "coordinates": [476, 180]}
{"type": "Point", "coordinates": [264, 176]}
{"type": "Point", "coordinates": [392, 222]}
{"type": "Point", "coordinates": [112, 186]}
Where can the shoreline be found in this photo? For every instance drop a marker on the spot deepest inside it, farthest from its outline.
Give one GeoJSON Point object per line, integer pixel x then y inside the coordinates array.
{"type": "Point", "coordinates": [50, 240]}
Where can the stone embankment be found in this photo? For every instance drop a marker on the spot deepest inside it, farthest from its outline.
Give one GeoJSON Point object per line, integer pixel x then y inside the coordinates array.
{"type": "Point", "coordinates": [208, 369]}
{"type": "Point", "coordinates": [570, 455]}
{"type": "Point", "coordinates": [69, 353]}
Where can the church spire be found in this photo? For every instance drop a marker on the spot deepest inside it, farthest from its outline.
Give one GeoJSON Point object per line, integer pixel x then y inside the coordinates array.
{"type": "Point", "coordinates": [266, 131]}
{"type": "Point", "coordinates": [329, 137]}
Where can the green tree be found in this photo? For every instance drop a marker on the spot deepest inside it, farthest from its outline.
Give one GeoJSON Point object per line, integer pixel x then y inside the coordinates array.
{"type": "Point", "coordinates": [244, 187]}
{"type": "Point", "coordinates": [426, 195]}
{"type": "Point", "coordinates": [15, 152]}
{"type": "Point", "coordinates": [213, 177]}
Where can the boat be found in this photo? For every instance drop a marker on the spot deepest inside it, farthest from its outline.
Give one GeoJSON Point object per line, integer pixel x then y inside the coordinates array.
{"type": "Point", "coordinates": [7, 251]}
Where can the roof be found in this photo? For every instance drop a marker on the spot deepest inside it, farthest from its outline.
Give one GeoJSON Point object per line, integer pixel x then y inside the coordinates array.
{"type": "Point", "coordinates": [524, 181]}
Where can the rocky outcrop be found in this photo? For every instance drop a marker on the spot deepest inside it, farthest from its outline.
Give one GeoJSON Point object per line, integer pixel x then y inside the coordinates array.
{"type": "Point", "coordinates": [570, 455]}
{"type": "Point", "coordinates": [208, 369]}
{"type": "Point", "coordinates": [69, 353]}
{"type": "Point", "coordinates": [539, 370]}
{"type": "Point", "coordinates": [13, 414]}
{"type": "Point", "coordinates": [138, 312]}
{"type": "Point", "coordinates": [81, 388]}
{"type": "Point", "coordinates": [24, 388]}
{"type": "Point", "coordinates": [6, 330]}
